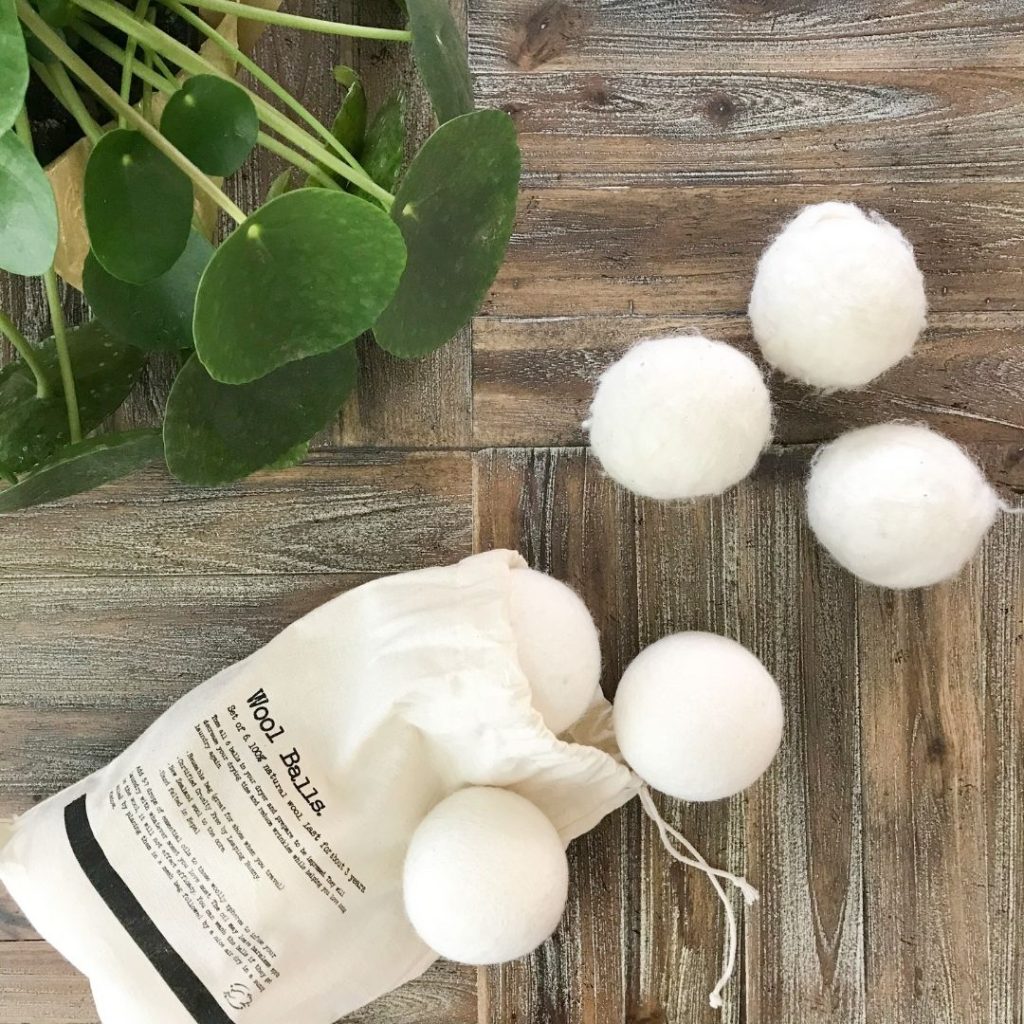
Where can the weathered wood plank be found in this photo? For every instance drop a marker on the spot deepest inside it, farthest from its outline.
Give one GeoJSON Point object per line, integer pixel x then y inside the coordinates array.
{"type": "Point", "coordinates": [797, 612]}
{"type": "Point", "coordinates": [772, 127]}
{"type": "Point", "coordinates": [1003, 650]}
{"type": "Point", "coordinates": [642, 939]}
{"type": "Point", "coordinates": [928, 937]}
{"type": "Point", "coordinates": [423, 402]}
{"type": "Point", "coordinates": [666, 251]}
{"type": "Point", "coordinates": [686, 567]}
{"type": "Point", "coordinates": [39, 986]}
{"type": "Point", "coordinates": [597, 35]}
{"type": "Point", "coordinates": [568, 521]}
{"type": "Point", "coordinates": [343, 511]}
{"type": "Point", "coordinates": [141, 642]}
{"type": "Point", "coordinates": [533, 380]}
{"type": "Point", "coordinates": [48, 749]}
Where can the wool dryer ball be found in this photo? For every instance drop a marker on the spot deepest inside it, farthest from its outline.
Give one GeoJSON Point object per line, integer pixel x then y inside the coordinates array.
{"type": "Point", "coordinates": [899, 505]}
{"type": "Point", "coordinates": [558, 645]}
{"type": "Point", "coordinates": [698, 717]}
{"type": "Point", "coordinates": [486, 877]}
{"type": "Point", "coordinates": [838, 297]}
{"type": "Point", "coordinates": [679, 418]}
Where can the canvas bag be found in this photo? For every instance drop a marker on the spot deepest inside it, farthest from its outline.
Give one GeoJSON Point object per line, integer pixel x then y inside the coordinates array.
{"type": "Point", "coordinates": [242, 860]}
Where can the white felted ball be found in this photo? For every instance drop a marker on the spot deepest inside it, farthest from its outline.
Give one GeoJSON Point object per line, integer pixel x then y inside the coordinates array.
{"type": "Point", "coordinates": [558, 645]}
{"type": "Point", "coordinates": [899, 505]}
{"type": "Point", "coordinates": [486, 877]}
{"type": "Point", "coordinates": [838, 297]}
{"type": "Point", "coordinates": [697, 716]}
{"type": "Point", "coordinates": [680, 418]}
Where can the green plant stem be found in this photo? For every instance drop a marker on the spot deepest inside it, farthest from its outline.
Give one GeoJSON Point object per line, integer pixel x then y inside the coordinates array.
{"type": "Point", "coordinates": [60, 337]}
{"type": "Point", "coordinates": [68, 95]}
{"type": "Point", "coordinates": [28, 356]}
{"type": "Point", "coordinates": [147, 89]}
{"type": "Point", "coordinates": [160, 42]}
{"type": "Point", "coordinates": [24, 130]}
{"type": "Point", "coordinates": [261, 76]}
{"type": "Point", "coordinates": [170, 85]}
{"type": "Point", "coordinates": [161, 65]}
{"type": "Point", "coordinates": [333, 28]}
{"type": "Point", "coordinates": [43, 74]}
{"type": "Point", "coordinates": [126, 75]}
{"type": "Point", "coordinates": [195, 64]}
{"type": "Point", "coordinates": [147, 95]}
{"type": "Point", "coordinates": [88, 77]}
{"type": "Point", "coordinates": [162, 80]}
{"type": "Point", "coordinates": [296, 160]}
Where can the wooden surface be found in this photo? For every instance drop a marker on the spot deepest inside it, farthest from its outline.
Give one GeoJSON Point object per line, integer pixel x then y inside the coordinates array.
{"type": "Point", "coordinates": [665, 142]}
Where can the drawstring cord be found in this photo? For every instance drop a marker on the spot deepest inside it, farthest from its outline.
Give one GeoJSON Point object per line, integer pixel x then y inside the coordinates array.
{"type": "Point", "coordinates": [750, 894]}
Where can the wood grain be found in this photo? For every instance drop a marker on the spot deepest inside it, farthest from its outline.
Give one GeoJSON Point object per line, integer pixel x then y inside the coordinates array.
{"type": "Point", "coordinates": [924, 825]}
{"type": "Point", "coordinates": [567, 520]}
{"type": "Point", "coordinates": [686, 565]}
{"type": "Point", "coordinates": [343, 511]}
{"type": "Point", "coordinates": [667, 251]}
{"type": "Point", "coordinates": [105, 642]}
{"type": "Point", "coordinates": [647, 569]}
{"type": "Point", "coordinates": [534, 379]}
{"type": "Point", "coordinates": [1003, 652]}
{"type": "Point", "coordinates": [665, 143]}
{"type": "Point", "coordinates": [797, 612]}
{"type": "Point", "coordinates": [772, 127]}
{"type": "Point", "coordinates": [425, 402]}
{"type": "Point", "coordinates": [595, 35]}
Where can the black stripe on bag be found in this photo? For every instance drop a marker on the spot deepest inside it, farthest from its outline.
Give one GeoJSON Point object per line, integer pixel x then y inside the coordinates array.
{"type": "Point", "coordinates": [136, 922]}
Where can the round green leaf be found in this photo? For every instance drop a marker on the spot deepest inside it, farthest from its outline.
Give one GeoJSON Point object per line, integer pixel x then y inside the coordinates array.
{"type": "Point", "coordinates": [32, 428]}
{"type": "Point", "coordinates": [28, 211]}
{"type": "Point", "coordinates": [217, 432]}
{"type": "Point", "coordinates": [456, 208]}
{"type": "Point", "coordinates": [155, 315]}
{"type": "Point", "coordinates": [13, 65]}
{"type": "Point", "coordinates": [83, 466]}
{"type": "Point", "coordinates": [213, 122]}
{"type": "Point", "coordinates": [440, 54]}
{"type": "Point", "coordinates": [384, 145]}
{"type": "Point", "coordinates": [304, 274]}
{"type": "Point", "coordinates": [138, 207]}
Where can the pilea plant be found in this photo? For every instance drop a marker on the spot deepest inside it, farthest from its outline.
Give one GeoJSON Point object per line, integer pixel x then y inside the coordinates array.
{"type": "Point", "coordinates": [263, 323]}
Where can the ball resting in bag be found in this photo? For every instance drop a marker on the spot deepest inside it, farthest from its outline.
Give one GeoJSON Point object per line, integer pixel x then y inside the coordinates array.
{"type": "Point", "coordinates": [242, 860]}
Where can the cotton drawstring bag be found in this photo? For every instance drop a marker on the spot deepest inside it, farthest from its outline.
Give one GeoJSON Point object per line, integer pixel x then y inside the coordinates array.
{"type": "Point", "coordinates": [242, 860]}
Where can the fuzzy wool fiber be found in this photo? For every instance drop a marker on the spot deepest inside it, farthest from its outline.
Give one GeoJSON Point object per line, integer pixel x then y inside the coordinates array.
{"type": "Point", "coordinates": [838, 297]}
{"type": "Point", "coordinates": [486, 877]}
{"type": "Point", "coordinates": [680, 418]}
{"type": "Point", "coordinates": [558, 645]}
{"type": "Point", "coordinates": [698, 717]}
{"type": "Point", "coordinates": [899, 505]}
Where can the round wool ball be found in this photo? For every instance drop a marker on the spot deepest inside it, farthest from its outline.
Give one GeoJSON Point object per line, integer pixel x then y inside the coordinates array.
{"type": "Point", "coordinates": [697, 716]}
{"type": "Point", "coordinates": [486, 877]}
{"type": "Point", "coordinates": [679, 418]}
{"type": "Point", "coordinates": [899, 505]}
{"type": "Point", "coordinates": [838, 297]}
{"type": "Point", "coordinates": [558, 644]}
